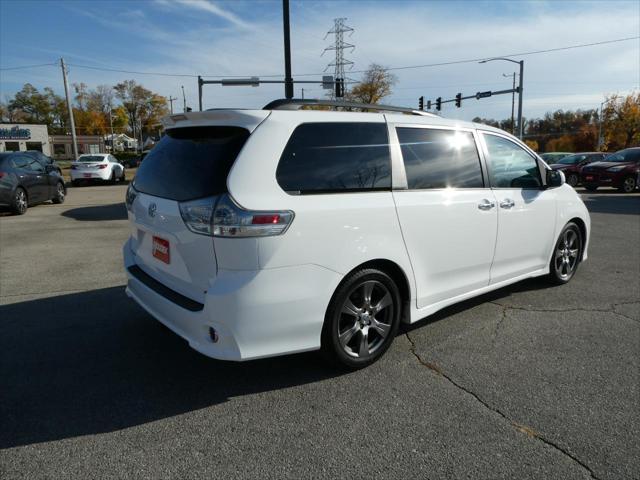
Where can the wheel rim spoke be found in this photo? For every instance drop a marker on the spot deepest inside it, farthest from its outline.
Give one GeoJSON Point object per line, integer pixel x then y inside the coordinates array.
{"type": "Point", "coordinates": [346, 336]}
{"type": "Point", "coordinates": [382, 328]}
{"type": "Point", "coordinates": [368, 290]}
{"type": "Point", "coordinates": [573, 253]}
{"type": "Point", "coordinates": [350, 309]}
{"type": "Point", "coordinates": [363, 349]}
{"type": "Point", "coordinates": [383, 303]}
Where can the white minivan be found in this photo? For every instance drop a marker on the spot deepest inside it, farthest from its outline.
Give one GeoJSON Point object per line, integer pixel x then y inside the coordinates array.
{"type": "Point", "coordinates": [266, 232]}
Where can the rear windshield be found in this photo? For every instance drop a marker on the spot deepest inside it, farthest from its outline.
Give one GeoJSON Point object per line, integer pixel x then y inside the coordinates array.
{"type": "Point", "coordinates": [91, 158]}
{"type": "Point", "coordinates": [191, 162]}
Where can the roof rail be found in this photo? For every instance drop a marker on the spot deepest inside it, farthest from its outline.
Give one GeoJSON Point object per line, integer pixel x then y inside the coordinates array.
{"type": "Point", "coordinates": [297, 103]}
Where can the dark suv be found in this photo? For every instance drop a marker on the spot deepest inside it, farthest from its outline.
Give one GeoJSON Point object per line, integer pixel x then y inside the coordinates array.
{"type": "Point", "coordinates": [572, 165]}
{"type": "Point", "coordinates": [620, 170]}
{"type": "Point", "coordinates": [27, 179]}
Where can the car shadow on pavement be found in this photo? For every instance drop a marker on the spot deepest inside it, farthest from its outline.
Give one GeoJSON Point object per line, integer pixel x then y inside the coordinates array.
{"type": "Point", "coordinates": [115, 211]}
{"type": "Point", "coordinates": [619, 204]}
{"type": "Point", "coordinates": [94, 362]}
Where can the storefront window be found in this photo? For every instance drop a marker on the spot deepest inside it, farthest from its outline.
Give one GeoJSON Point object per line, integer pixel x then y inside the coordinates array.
{"type": "Point", "coordinates": [12, 146]}
{"type": "Point", "coordinates": [34, 146]}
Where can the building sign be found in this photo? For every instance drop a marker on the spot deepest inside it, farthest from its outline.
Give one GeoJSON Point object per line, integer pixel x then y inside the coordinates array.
{"type": "Point", "coordinates": [15, 133]}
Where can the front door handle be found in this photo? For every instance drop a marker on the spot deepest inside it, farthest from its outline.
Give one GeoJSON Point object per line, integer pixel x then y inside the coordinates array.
{"type": "Point", "coordinates": [486, 204]}
{"type": "Point", "coordinates": [507, 203]}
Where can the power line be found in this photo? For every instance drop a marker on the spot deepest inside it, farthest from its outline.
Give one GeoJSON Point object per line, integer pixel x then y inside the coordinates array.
{"type": "Point", "coordinates": [405, 67]}
{"type": "Point", "coordinates": [29, 66]}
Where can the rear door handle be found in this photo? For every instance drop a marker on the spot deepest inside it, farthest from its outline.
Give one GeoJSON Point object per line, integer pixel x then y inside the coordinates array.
{"type": "Point", "coordinates": [507, 203]}
{"type": "Point", "coordinates": [486, 204]}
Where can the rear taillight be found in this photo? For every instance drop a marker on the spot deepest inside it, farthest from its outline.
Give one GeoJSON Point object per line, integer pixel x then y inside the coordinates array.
{"type": "Point", "coordinates": [225, 218]}
{"type": "Point", "coordinates": [130, 197]}
{"type": "Point", "coordinates": [2, 174]}
{"type": "Point", "coordinates": [102, 166]}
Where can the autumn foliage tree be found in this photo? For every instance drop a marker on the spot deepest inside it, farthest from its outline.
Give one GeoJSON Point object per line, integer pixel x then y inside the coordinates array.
{"type": "Point", "coordinates": [375, 85]}
{"type": "Point", "coordinates": [621, 121]}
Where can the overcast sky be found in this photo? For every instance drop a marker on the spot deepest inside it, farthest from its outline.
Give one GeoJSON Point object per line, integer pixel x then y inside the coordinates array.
{"type": "Point", "coordinates": [244, 38]}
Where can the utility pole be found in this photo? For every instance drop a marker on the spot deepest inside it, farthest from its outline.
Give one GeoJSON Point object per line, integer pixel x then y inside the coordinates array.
{"type": "Point", "coordinates": [600, 142]}
{"type": "Point", "coordinates": [111, 126]}
{"type": "Point", "coordinates": [70, 108]}
{"type": "Point", "coordinates": [339, 29]}
{"type": "Point", "coordinates": [184, 100]}
{"type": "Point", "coordinates": [171, 100]}
{"type": "Point", "coordinates": [200, 83]}
{"type": "Point", "coordinates": [303, 94]}
{"type": "Point", "coordinates": [288, 81]}
{"type": "Point", "coordinates": [521, 63]}
{"type": "Point", "coordinates": [513, 100]}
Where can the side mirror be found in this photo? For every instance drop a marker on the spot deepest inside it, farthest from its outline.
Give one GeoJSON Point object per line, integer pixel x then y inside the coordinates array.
{"type": "Point", "coordinates": [49, 168]}
{"type": "Point", "coordinates": [555, 178]}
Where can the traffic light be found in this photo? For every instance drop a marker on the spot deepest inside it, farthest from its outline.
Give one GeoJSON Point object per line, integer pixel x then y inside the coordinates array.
{"type": "Point", "coordinates": [458, 100]}
{"type": "Point", "coordinates": [421, 103]}
{"type": "Point", "coordinates": [428, 104]}
{"type": "Point", "coordinates": [439, 103]}
{"type": "Point", "coordinates": [339, 87]}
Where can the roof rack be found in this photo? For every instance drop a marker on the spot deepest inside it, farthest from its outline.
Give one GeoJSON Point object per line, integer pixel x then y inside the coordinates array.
{"type": "Point", "coordinates": [297, 103]}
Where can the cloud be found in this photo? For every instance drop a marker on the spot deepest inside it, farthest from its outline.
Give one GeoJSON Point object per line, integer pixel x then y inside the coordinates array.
{"type": "Point", "coordinates": [210, 7]}
{"type": "Point", "coordinates": [183, 38]}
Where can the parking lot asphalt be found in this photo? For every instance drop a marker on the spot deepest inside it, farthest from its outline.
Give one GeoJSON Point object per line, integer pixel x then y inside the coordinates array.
{"type": "Point", "coordinates": [530, 381]}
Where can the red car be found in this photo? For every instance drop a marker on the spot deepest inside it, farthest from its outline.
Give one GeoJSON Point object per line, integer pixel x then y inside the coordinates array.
{"type": "Point", "coordinates": [572, 165]}
{"type": "Point", "coordinates": [620, 170]}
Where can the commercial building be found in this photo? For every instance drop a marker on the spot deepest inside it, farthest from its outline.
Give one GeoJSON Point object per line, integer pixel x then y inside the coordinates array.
{"type": "Point", "coordinates": [16, 137]}
{"type": "Point", "coordinates": [62, 145]}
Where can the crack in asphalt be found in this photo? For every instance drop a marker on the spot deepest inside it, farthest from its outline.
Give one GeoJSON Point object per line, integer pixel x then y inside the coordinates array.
{"type": "Point", "coordinates": [610, 309]}
{"type": "Point", "coordinates": [519, 427]}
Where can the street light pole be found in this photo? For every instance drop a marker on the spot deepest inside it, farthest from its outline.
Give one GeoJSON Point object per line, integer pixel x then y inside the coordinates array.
{"type": "Point", "coordinates": [513, 101]}
{"type": "Point", "coordinates": [520, 88]}
{"type": "Point", "coordinates": [600, 127]}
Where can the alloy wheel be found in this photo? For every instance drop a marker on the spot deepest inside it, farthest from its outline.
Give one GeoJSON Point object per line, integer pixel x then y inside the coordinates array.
{"type": "Point", "coordinates": [567, 252]}
{"type": "Point", "coordinates": [365, 320]}
{"type": "Point", "coordinates": [60, 193]}
{"type": "Point", "coordinates": [21, 201]}
{"type": "Point", "coordinates": [629, 185]}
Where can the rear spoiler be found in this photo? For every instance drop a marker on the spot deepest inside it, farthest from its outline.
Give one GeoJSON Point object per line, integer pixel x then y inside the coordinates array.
{"type": "Point", "coordinates": [248, 119]}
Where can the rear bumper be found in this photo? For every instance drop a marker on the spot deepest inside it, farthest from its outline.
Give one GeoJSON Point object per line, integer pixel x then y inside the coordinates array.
{"type": "Point", "coordinates": [256, 314]}
{"type": "Point", "coordinates": [602, 179]}
{"type": "Point", "coordinates": [92, 175]}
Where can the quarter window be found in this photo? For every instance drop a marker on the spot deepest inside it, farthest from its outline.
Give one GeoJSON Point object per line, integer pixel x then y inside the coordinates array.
{"type": "Point", "coordinates": [510, 166]}
{"type": "Point", "coordinates": [437, 158]}
{"type": "Point", "coordinates": [336, 157]}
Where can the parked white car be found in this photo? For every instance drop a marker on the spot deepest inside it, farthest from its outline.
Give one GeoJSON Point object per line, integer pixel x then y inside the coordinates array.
{"type": "Point", "coordinates": [264, 232]}
{"type": "Point", "coordinates": [97, 166]}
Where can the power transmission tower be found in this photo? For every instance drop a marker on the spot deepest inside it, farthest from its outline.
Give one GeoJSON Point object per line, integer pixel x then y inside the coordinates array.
{"type": "Point", "coordinates": [339, 29]}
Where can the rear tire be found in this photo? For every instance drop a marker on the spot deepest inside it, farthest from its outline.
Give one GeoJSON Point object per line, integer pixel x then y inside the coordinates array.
{"type": "Point", "coordinates": [591, 188]}
{"type": "Point", "coordinates": [362, 319]}
{"type": "Point", "coordinates": [573, 180]}
{"type": "Point", "coordinates": [566, 255]}
{"type": "Point", "coordinates": [628, 185]}
{"type": "Point", "coordinates": [20, 201]}
{"type": "Point", "coordinates": [112, 178]}
{"type": "Point", "coordinates": [60, 194]}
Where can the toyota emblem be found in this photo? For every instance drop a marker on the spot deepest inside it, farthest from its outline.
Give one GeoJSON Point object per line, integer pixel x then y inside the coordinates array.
{"type": "Point", "coordinates": [152, 210]}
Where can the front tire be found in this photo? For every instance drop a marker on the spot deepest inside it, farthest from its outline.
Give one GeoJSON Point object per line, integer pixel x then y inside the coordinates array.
{"type": "Point", "coordinates": [628, 185]}
{"type": "Point", "coordinates": [566, 255]}
{"type": "Point", "coordinates": [60, 194]}
{"type": "Point", "coordinates": [20, 201]}
{"type": "Point", "coordinates": [362, 319]}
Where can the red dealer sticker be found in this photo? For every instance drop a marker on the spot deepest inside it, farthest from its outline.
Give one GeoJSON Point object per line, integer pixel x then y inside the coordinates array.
{"type": "Point", "coordinates": [161, 249]}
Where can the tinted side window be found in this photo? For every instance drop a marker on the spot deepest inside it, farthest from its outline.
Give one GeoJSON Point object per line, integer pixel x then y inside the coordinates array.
{"type": "Point", "coordinates": [435, 158]}
{"type": "Point", "coordinates": [510, 166]}
{"type": "Point", "coordinates": [331, 157]}
{"type": "Point", "coordinates": [21, 162]}
{"type": "Point", "coordinates": [35, 165]}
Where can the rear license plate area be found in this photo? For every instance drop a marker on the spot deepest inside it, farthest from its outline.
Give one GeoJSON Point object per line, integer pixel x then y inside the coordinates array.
{"type": "Point", "coordinates": [161, 249]}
